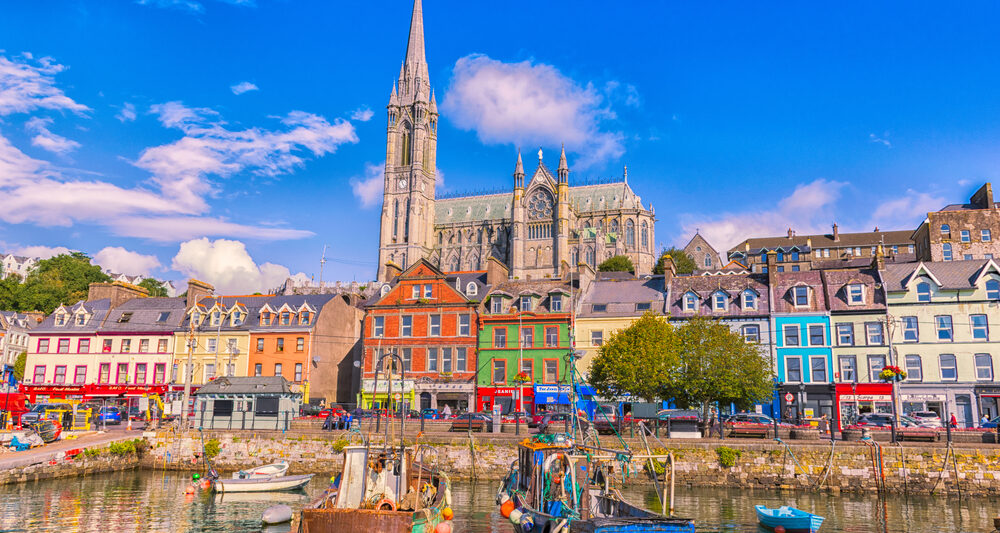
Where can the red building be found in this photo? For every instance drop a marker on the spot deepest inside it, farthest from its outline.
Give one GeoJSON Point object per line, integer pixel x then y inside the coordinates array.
{"type": "Point", "coordinates": [855, 399]}
{"type": "Point", "coordinates": [428, 318]}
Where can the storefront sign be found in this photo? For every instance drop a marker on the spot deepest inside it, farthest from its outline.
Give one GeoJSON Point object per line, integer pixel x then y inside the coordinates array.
{"type": "Point", "coordinates": [405, 385]}
{"type": "Point", "coordinates": [923, 397]}
{"type": "Point", "coordinates": [866, 397]}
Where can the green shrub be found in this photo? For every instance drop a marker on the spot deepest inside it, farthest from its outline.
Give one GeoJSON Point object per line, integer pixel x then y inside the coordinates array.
{"type": "Point", "coordinates": [728, 456]}
{"type": "Point", "coordinates": [212, 448]}
{"type": "Point", "coordinates": [125, 447]}
{"type": "Point", "coordinates": [141, 446]}
{"type": "Point", "coordinates": [91, 452]}
{"type": "Point", "coordinates": [339, 444]}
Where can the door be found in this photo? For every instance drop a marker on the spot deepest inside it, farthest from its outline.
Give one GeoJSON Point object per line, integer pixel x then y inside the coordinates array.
{"type": "Point", "coordinates": [425, 400]}
{"type": "Point", "coordinates": [964, 404]}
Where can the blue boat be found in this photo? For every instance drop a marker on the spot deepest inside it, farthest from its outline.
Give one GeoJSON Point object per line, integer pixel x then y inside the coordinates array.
{"type": "Point", "coordinates": [791, 519]}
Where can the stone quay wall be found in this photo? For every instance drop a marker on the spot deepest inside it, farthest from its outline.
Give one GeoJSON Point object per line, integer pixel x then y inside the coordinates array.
{"type": "Point", "coordinates": [58, 465]}
{"type": "Point", "coordinates": [844, 467]}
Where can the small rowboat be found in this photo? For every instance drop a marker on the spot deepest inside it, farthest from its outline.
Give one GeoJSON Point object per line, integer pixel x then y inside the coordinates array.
{"type": "Point", "coordinates": [791, 519]}
{"type": "Point", "coordinates": [271, 484]}
{"type": "Point", "coordinates": [272, 470]}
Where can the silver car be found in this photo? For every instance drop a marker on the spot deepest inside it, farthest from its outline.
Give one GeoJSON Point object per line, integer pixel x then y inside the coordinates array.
{"type": "Point", "coordinates": [927, 419]}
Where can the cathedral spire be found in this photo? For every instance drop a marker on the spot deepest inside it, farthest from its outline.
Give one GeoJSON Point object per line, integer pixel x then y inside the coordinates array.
{"type": "Point", "coordinates": [519, 171]}
{"type": "Point", "coordinates": [563, 170]}
{"type": "Point", "coordinates": [434, 102]}
{"type": "Point", "coordinates": [416, 61]}
{"type": "Point", "coordinates": [393, 99]}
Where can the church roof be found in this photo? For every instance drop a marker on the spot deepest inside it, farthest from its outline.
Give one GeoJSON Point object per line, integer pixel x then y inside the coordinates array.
{"type": "Point", "coordinates": [587, 198]}
{"type": "Point", "coordinates": [473, 208]}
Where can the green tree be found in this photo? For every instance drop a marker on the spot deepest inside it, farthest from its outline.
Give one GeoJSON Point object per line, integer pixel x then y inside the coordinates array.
{"type": "Point", "coordinates": [10, 292]}
{"type": "Point", "coordinates": [19, 366]}
{"type": "Point", "coordinates": [618, 263]}
{"type": "Point", "coordinates": [64, 278]}
{"type": "Point", "coordinates": [641, 360]}
{"type": "Point", "coordinates": [683, 263]}
{"type": "Point", "coordinates": [155, 287]}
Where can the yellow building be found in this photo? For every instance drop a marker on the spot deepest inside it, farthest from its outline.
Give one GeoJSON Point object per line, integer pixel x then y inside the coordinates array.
{"type": "Point", "coordinates": [215, 338]}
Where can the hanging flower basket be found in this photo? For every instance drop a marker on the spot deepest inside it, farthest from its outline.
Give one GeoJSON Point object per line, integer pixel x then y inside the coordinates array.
{"type": "Point", "coordinates": [891, 373]}
{"type": "Point", "coordinates": [522, 378]}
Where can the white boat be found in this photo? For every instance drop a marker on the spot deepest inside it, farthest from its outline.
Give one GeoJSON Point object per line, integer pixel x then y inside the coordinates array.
{"type": "Point", "coordinates": [272, 470]}
{"type": "Point", "coordinates": [269, 484]}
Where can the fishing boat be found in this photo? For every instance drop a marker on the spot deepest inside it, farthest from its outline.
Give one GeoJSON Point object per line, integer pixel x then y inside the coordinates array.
{"type": "Point", "coordinates": [272, 470]}
{"type": "Point", "coordinates": [263, 484]}
{"type": "Point", "coordinates": [561, 487]}
{"type": "Point", "coordinates": [791, 519]}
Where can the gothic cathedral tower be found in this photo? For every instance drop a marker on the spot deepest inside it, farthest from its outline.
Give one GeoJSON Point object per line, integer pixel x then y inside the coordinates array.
{"type": "Point", "coordinates": [407, 231]}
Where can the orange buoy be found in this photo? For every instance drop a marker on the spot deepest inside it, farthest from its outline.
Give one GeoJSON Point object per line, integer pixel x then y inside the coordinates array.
{"type": "Point", "coordinates": [779, 529]}
{"type": "Point", "coordinates": [189, 490]}
{"type": "Point", "coordinates": [443, 527]}
{"type": "Point", "coordinates": [507, 508]}
{"type": "Point", "coordinates": [447, 513]}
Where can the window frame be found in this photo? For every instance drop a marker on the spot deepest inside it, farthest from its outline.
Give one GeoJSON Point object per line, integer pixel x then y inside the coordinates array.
{"type": "Point", "coordinates": [869, 334]}
{"type": "Point", "coordinates": [690, 302]}
{"type": "Point", "coordinates": [919, 377]}
{"type": "Point", "coordinates": [989, 366]}
{"type": "Point", "coordinates": [822, 330]}
{"type": "Point", "coordinates": [922, 295]}
{"type": "Point", "coordinates": [906, 322]}
{"type": "Point", "coordinates": [720, 301]}
{"type": "Point", "coordinates": [406, 326]}
{"type": "Point", "coordinates": [953, 366]}
{"type": "Point", "coordinates": [984, 327]}
{"type": "Point", "coordinates": [788, 368]}
{"type": "Point", "coordinates": [499, 365]}
{"type": "Point", "coordinates": [857, 298]}
{"type": "Point", "coordinates": [279, 344]}
{"type": "Point", "coordinates": [526, 337]}
{"type": "Point", "coordinates": [464, 325]}
{"type": "Point", "coordinates": [853, 360]}
{"type": "Point", "coordinates": [950, 329]}
{"type": "Point", "coordinates": [530, 371]}
{"type": "Point", "coordinates": [797, 291]}
{"type": "Point", "coordinates": [985, 235]}
{"type": "Point", "coordinates": [965, 235]}
{"type": "Point", "coordinates": [842, 328]}
{"type": "Point", "coordinates": [496, 305]}
{"type": "Point", "coordinates": [77, 378]}
{"type": "Point", "coordinates": [35, 374]}
{"type": "Point", "coordinates": [785, 337]}
{"type": "Point", "coordinates": [378, 326]}
{"type": "Point", "coordinates": [555, 303]}
{"type": "Point", "coordinates": [434, 325]}
{"type": "Point", "coordinates": [813, 369]}
{"type": "Point", "coordinates": [750, 337]}
{"type": "Point", "coordinates": [500, 334]}
{"type": "Point", "coordinates": [431, 359]}
{"type": "Point", "coordinates": [59, 375]}
{"type": "Point", "coordinates": [946, 252]}
{"type": "Point", "coordinates": [597, 337]}
{"type": "Point", "coordinates": [551, 336]}
{"type": "Point", "coordinates": [995, 290]}
{"type": "Point", "coordinates": [749, 299]}
{"type": "Point", "coordinates": [545, 369]}
{"type": "Point", "coordinates": [461, 359]}
{"type": "Point", "coordinates": [428, 291]}
{"type": "Point", "coordinates": [875, 370]}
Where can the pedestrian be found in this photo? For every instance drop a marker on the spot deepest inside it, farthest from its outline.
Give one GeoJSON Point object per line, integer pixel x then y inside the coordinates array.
{"type": "Point", "coordinates": [446, 413]}
{"type": "Point", "coordinates": [349, 418]}
{"type": "Point", "coordinates": [954, 421]}
{"type": "Point", "coordinates": [984, 420]}
{"type": "Point", "coordinates": [328, 423]}
{"type": "Point", "coordinates": [824, 425]}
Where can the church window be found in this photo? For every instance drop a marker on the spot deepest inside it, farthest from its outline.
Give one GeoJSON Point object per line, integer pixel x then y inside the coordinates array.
{"type": "Point", "coordinates": [591, 259]}
{"type": "Point", "coordinates": [614, 226]}
{"type": "Point", "coordinates": [406, 222]}
{"type": "Point", "coordinates": [575, 257]}
{"type": "Point", "coordinates": [645, 235]}
{"type": "Point", "coordinates": [540, 205]}
{"type": "Point", "coordinates": [395, 219]}
{"type": "Point", "coordinates": [405, 152]}
{"type": "Point", "coordinates": [630, 234]}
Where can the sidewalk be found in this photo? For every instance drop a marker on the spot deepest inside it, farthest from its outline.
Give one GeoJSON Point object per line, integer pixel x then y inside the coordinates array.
{"type": "Point", "coordinates": [56, 449]}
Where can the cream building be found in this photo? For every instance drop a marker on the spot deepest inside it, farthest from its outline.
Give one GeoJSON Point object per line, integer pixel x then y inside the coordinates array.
{"type": "Point", "coordinates": [214, 339]}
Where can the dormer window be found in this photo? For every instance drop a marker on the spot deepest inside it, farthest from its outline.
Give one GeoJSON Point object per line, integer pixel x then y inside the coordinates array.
{"type": "Point", "coordinates": [555, 303]}
{"type": "Point", "coordinates": [265, 318]}
{"type": "Point", "coordinates": [237, 318]}
{"type": "Point", "coordinates": [800, 296]}
{"type": "Point", "coordinates": [81, 319]}
{"type": "Point", "coordinates": [471, 289]}
{"type": "Point", "coordinates": [304, 318]}
{"type": "Point", "coordinates": [690, 302]}
{"type": "Point", "coordinates": [285, 318]}
{"type": "Point", "coordinates": [195, 317]}
{"type": "Point", "coordinates": [923, 292]}
{"type": "Point", "coordinates": [719, 301]}
{"type": "Point", "coordinates": [384, 290]}
{"type": "Point", "coordinates": [163, 316]}
{"type": "Point", "coordinates": [216, 318]}
{"type": "Point", "coordinates": [993, 289]}
{"type": "Point", "coordinates": [61, 319]}
{"type": "Point", "coordinates": [496, 305]}
{"type": "Point", "coordinates": [525, 303]}
{"type": "Point", "coordinates": [600, 308]}
{"type": "Point", "coordinates": [126, 316]}
{"type": "Point", "coordinates": [749, 299]}
{"type": "Point", "coordinates": [855, 294]}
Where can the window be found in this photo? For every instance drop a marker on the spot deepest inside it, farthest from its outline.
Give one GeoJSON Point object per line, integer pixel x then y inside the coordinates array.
{"type": "Point", "coordinates": [781, 256]}
{"type": "Point", "coordinates": [993, 289]}
{"type": "Point", "coordinates": [781, 268]}
{"type": "Point", "coordinates": [378, 326]}
{"type": "Point", "coordinates": [499, 371]}
{"type": "Point", "coordinates": [909, 248]}
{"type": "Point", "coordinates": [945, 230]}
{"type": "Point", "coordinates": [800, 296]}
{"type": "Point", "coordinates": [816, 335]}
{"type": "Point", "coordinates": [277, 369]}
{"type": "Point", "coordinates": [751, 333]}
{"type": "Point", "coordinates": [914, 369]}
{"type": "Point", "coordinates": [471, 289]}
{"type": "Point", "coordinates": [551, 371]}
{"type": "Point", "coordinates": [845, 334]}
{"type": "Point", "coordinates": [126, 316]}
{"type": "Point", "coordinates": [300, 344]}
{"type": "Point", "coordinates": [237, 318]}
{"type": "Point", "coordinates": [435, 326]}
{"type": "Point", "coordinates": [161, 346]}
{"type": "Point", "coordinates": [946, 251]}
{"type": "Point", "coordinates": [81, 319]}
{"type": "Point", "coordinates": [795, 255]}
{"type": "Point", "coordinates": [949, 371]}
{"type": "Point", "coordinates": [875, 365]}
{"type": "Point", "coordinates": [446, 360]}
{"type": "Point", "coordinates": [552, 336]}
{"type": "Point", "coordinates": [39, 374]}
{"type": "Point", "coordinates": [496, 305]}
{"type": "Point", "coordinates": [643, 306]}
{"type": "Point", "coordinates": [690, 302]}
{"type": "Point", "coordinates": [855, 294]}
{"type": "Point", "coordinates": [80, 375]}
{"type": "Point", "coordinates": [967, 257]}
{"type": "Point", "coordinates": [216, 318]}
{"type": "Point", "coordinates": [432, 359]}
{"type": "Point", "coordinates": [407, 356]}
{"type": "Point", "coordinates": [159, 373]}
{"type": "Point", "coordinates": [911, 333]}
{"type": "Point", "coordinates": [873, 331]}
{"type": "Point", "coordinates": [43, 345]}
{"type": "Point", "coordinates": [143, 345]}
{"type": "Point", "coordinates": [500, 337]}
{"type": "Point", "coordinates": [793, 369]}
{"type": "Point", "coordinates": [943, 325]}
{"type": "Point", "coordinates": [265, 318]}
{"type": "Point", "coordinates": [749, 299]}
{"type": "Point", "coordinates": [104, 373]}
{"type": "Point", "coordinates": [555, 303]}
{"type": "Point", "coordinates": [140, 373]}
{"type": "Point", "coordinates": [415, 293]}
{"type": "Point", "coordinates": [427, 290]}
{"type": "Point", "coordinates": [281, 345]}
{"type": "Point", "coordinates": [980, 329]}
{"type": "Point", "coordinates": [528, 337]}
{"type": "Point", "coordinates": [791, 335]}
{"type": "Point", "coordinates": [83, 346]}
{"type": "Point", "coordinates": [258, 369]}
{"type": "Point", "coordinates": [985, 235]}
{"type": "Point", "coordinates": [528, 367]}
{"type": "Point", "coordinates": [173, 373]}
{"type": "Point", "coordinates": [895, 249]}
{"type": "Point", "coordinates": [818, 367]}
{"type": "Point", "coordinates": [708, 260]}
{"type": "Point", "coordinates": [461, 359]}
{"type": "Point", "coordinates": [63, 346]}
{"type": "Point", "coordinates": [260, 345]}
{"type": "Point", "coordinates": [60, 377]}
{"type": "Point", "coordinates": [213, 346]}
{"type": "Point", "coordinates": [965, 236]}
{"type": "Point", "coordinates": [525, 304]}
{"type": "Point", "coordinates": [719, 301]}
{"type": "Point", "coordinates": [60, 319]}
{"type": "Point", "coordinates": [305, 318]}
{"type": "Point", "coordinates": [122, 373]}
{"type": "Point", "coordinates": [463, 324]}
{"type": "Point", "coordinates": [984, 367]}
{"type": "Point", "coordinates": [923, 292]}
{"type": "Point", "coordinates": [406, 326]}
{"type": "Point", "coordinates": [848, 368]}
{"type": "Point", "coordinates": [597, 337]}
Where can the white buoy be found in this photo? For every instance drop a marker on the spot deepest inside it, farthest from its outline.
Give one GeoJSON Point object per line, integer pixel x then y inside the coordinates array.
{"type": "Point", "coordinates": [277, 514]}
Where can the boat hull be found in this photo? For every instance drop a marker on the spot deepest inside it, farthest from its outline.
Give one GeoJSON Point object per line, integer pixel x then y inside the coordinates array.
{"type": "Point", "coordinates": [369, 521]}
{"type": "Point", "coordinates": [275, 484]}
{"type": "Point", "coordinates": [793, 520]}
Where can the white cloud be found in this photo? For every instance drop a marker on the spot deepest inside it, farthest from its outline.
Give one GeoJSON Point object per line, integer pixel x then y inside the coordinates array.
{"type": "Point", "coordinates": [362, 114]}
{"type": "Point", "coordinates": [188, 227]}
{"type": "Point", "coordinates": [39, 251]}
{"type": "Point", "coordinates": [880, 140]}
{"type": "Point", "coordinates": [243, 87]}
{"type": "Point", "coordinates": [29, 85]}
{"type": "Point", "coordinates": [368, 189]}
{"type": "Point", "coordinates": [184, 5]}
{"type": "Point", "coordinates": [122, 261]}
{"type": "Point", "coordinates": [47, 140]}
{"type": "Point", "coordinates": [905, 211]}
{"type": "Point", "coordinates": [227, 265]}
{"type": "Point", "coordinates": [530, 104]}
{"type": "Point", "coordinates": [127, 113]}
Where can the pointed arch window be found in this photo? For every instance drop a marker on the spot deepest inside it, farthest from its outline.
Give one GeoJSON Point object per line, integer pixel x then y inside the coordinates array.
{"type": "Point", "coordinates": [630, 234]}
{"type": "Point", "coordinates": [614, 226]}
{"type": "Point", "coordinates": [591, 258]}
{"type": "Point", "coordinates": [405, 145]}
{"type": "Point", "coordinates": [644, 235]}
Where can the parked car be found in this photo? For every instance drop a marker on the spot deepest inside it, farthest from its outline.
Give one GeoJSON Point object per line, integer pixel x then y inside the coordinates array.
{"type": "Point", "coordinates": [472, 422]}
{"type": "Point", "coordinates": [929, 417]}
{"type": "Point", "coordinates": [557, 421]}
{"type": "Point", "coordinates": [992, 424]}
{"type": "Point", "coordinates": [750, 418]}
{"type": "Point", "coordinates": [37, 412]}
{"type": "Point", "coordinates": [875, 420]}
{"type": "Point", "coordinates": [363, 413]}
{"type": "Point", "coordinates": [512, 417]}
{"type": "Point", "coordinates": [109, 415]}
{"type": "Point", "coordinates": [430, 414]}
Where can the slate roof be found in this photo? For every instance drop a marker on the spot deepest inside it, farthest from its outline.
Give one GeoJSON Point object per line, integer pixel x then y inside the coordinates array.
{"type": "Point", "coordinates": [835, 284]}
{"type": "Point", "coordinates": [253, 306]}
{"type": "Point", "coordinates": [869, 238]}
{"type": "Point", "coordinates": [782, 290]}
{"type": "Point", "coordinates": [461, 280]}
{"type": "Point", "coordinates": [20, 320]}
{"type": "Point", "coordinates": [951, 274]}
{"type": "Point", "coordinates": [145, 314]}
{"type": "Point", "coordinates": [861, 262]}
{"type": "Point", "coordinates": [541, 289]}
{"type": "Point", "coordinates": [621, 297]}
{"type": "Point", "coordinates": [246, 385]}
{"type": "Point", "coordinates": [706, 286]}
{"type": "Point", "coordinates": [963, 207]}
{"type": "Point", "coordinates": [98, 310]}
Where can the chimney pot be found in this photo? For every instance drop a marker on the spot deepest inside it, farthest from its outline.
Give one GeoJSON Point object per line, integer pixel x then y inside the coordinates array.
{"type": "Point", "coordinates": [836, 233]}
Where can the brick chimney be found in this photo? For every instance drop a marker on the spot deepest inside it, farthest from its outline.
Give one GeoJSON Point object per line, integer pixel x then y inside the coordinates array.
{"type": "Point", "coordinates": [196, 291]}
{"type": "Point", "coordinates": [790, 233]}
{"type": "Point", "coordinates": [772, 266]}
{"type": "Point", "coordinates": [392, 270]}
{"type": "Point", "coordinates": [983, 198]}
{"type": "Point", "coordinates": [497, 272]}
{"type": "Point", "coordinates": [836, 233]}
{"type": "Point", "coordinates": [116, 291]}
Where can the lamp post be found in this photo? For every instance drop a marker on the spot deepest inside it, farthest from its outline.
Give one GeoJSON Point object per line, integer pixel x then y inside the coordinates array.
{"type": "Point", "coordinates": [520, 365]}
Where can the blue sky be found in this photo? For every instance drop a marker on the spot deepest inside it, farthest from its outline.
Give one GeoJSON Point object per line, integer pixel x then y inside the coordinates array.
{"type": "Point", "coordinates": [122, 133]}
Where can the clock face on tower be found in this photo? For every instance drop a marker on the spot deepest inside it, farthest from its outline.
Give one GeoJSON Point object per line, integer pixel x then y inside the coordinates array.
{"type": "Point", "coordinates": [401, 184]}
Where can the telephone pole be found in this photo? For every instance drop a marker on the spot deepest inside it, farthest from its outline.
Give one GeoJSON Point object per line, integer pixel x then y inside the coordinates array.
{"type": "Point", "coordinates": [188, 376]}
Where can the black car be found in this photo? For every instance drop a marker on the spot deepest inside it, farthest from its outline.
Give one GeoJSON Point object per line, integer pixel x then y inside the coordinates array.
{"type": "Point", "coordinates": [553, 423]}
{"type": "Point", "coordinates": [875, 420]}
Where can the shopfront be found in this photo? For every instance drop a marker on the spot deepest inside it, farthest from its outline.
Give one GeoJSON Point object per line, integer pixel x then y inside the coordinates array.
{"type": "Point", "coordinates": [802, 401]}
{"type": "Point", "coordinates": [53, 393]}
{"type": "Point", "coordinates": [506, 398]}
{"type": "Point", "coordinates": [389, 393]}
{"type": "Point", "coordinates": [988, 400]}
{"type": "Point", "coordinates": [433, 394]}
{"type": "Point", "coordinates": [557, 398]}
{"type": "Point", "coordinates": [856, 399]}
{"type": "Point", "coordinates": [944, 399]}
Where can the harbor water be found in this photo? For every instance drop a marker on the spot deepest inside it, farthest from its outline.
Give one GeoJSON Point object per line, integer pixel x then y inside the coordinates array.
{"type": "Point", "coordinates": [134, 501]}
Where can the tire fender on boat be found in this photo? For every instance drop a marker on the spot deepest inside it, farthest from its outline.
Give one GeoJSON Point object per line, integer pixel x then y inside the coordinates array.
{"type": "Point", "coordinates": [380, 506]}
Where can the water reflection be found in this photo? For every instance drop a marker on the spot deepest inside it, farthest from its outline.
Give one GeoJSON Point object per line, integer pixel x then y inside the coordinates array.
{"type": "Point", "coordinates": [152, 501]}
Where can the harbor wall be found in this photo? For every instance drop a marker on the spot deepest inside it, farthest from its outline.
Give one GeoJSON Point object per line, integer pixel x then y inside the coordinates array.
{"type": "Point", "coordinates": [843, 467]}
{"type": "Point", "coordinates": [60, 465]}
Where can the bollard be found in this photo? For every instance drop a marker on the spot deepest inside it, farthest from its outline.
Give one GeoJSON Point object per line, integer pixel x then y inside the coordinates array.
{"type": "Point", "coordinates": [947, 426]}
{"type": "Point", "coordinates": [656, 427]}
{"type": "Point", "coordinates": [668, 427]}
{"type": "Point", "coordinates": [892, 430]}
{"type": "Point", "coordinates": [422, 419]}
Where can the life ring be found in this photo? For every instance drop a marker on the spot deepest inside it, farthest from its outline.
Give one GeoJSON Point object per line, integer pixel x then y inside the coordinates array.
{"type": "Point", "coordinates": [385, 502]}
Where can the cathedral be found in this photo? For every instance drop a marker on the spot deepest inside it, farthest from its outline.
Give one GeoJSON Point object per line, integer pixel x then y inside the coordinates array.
{"type": "Point", "coordinates": [542, 228]}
